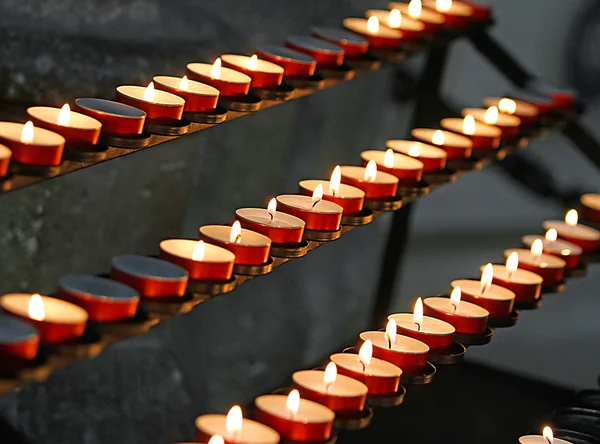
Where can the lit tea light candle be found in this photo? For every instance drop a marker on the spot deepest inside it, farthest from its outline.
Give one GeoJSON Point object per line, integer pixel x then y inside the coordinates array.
{"type": "Point", "coordinates": [326, 54]}
{"type": "Point", "coordinates": [350, 198]}
{"type": "Point", "coordinates": [509, 124]}
{"type": "Point", "coordinates": [5, 155]}
{"type": "Point", "coordinates": [465, 317]}
{"type": "Point", "coordinates": [352, 44]}
{"type": "Point", "coordinates": [30, 145]}
{"type": "Point", "coordinates": [411, 28]}
{"type": "Point", "coordinates": [295, 64]}
{"type": "Point", "coordinates": [234, 429]}
{"type": "Point", "coordinates": [549, 267]}
{"type": "Point", "coordinates": [249, 247]}
{"type": "Point", "coordinates": [407, 169]}
{"type": "Point", "coordinates": [457, 14]}
{"type": "Point", "coordinates": [201, 260]}
{"type": "Point", "coordinates": [19, 342]}
{"type": "Point", "coordinates": [264, 74]}
{"type": "Point", "coordinates": [294, 418]}
{"type": "Point", "coordinates": [571, 231]}
{"type": "Point", "coordinates": [526, 285]}
{"type": "Point", "coordinates": [281, 228]}
{"type": "Point", "coordinates": [497, 300]}
{"type": "Point", "coordinates": [116, 118]}
{"type": "Point", "coordinates": [151, 277]}
{"type": "Point", "coordinates": [457, 147]}
{"type": "Point", "coordinates": [156, 104]}
{"type": "Point", "coordinates": [433, 158]}
{"type": "Point", "coordinates": [378, 36]}
{"type": "Point", "coordinates": [431, 19]}
{"type": "Point", "coordinates": [103, 299]}
{"type": "Point", "coordinates": [80, 131]}
{"type": "Point", "coordinates": [198, 96]}
{"type": "Point", "coordinates": [317, 213]}
{"type": "Point", "coordinates": [567, 251]}
{"type": "Point", "coordinates": [482, 135]}
{"type": "Point", "coordinates": [547, 437]}
{"type": "Point", "coordinates": [228, 81]}
{"type": "Point", "coordinates": [338, 392]}
{"type": "Point", "coordinates": [55, 319]}
{"type": "Point", "coordinates": [527, 112]}
{"type": "Point", "coordinates": [375, 184]}
{"type": "Point", "coordinates": [409, 354]}
{"type": "Point", "coordinates": [590, 207]}
{"type": "Point", "coordinates": [437, 334]}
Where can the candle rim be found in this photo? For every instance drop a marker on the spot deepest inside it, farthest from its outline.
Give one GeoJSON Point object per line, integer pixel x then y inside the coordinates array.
{"type": "Point", "coordinates": [449, 328]}
{"type": "Point", "coordinates": [300, 223]}
{"type": "Point", "coordinates": [459, 8]}
{"type": "Point", "coordinates": [73, 283]}
{"type": "Point", "coordinates": [315, 44]}
{"type": "Point", "coordinates": [34, 112]}
{"type": "Point", "coordinates": [518, 272]}
{"type": "Point", "coordinates": [589, 233]}
{"type": "Point", "coordinates": [264, 240]}
{"type": "Point", "coordinates": [330, 415]}
{"type": "Point", "coordinates": [523, 108]}
{"type": "Point", "coordinates": [481, 312]}
{"type": "Point", "coordinates": [246, 424]}
{"type": "Point", "coordinates": [330, 207]}
{"type": "Point", "coordinates": [80, 314]}
{"type": "Point", "coordinates": [25, 332]}
{"type": "Point", "coordinates": [383, 31]}
{"type": "Point", "coordinates": [85, 103]}
{"type": "Point", "coordinates": [387, 177]}
{"type": "Point", "coordinates": [506, 294]}
{"type": "Point", "coordinates": [277, 51]}
{"type": "Point", "coordinates": [360, 387]}
{"type": "Point", "coordinates": [414, 25]}
{"type": "Point", "coordinates": [394, 368]}
{"type": "Point", "coordinates": [123, 264]}
{"type": "Point", "coordinates": [509, 119]}
{"type": "Point", "coordinates": [274, 68]}
{"type": "Point", "coordinates": [340, 35]}
{"type": "Point", "coordinates": [209, 91]}
{"type": "Point", "coordinates": [307, 184]}
{"type": "Point", "coordinates": [12, 131]}
{"type": "Point", "coordinates": [551, 261]}
{"type": "Point", "coordinates": [396, 145]}
{"type": "Point", "coordinates": [413, 164]}
{"type": "Point", "coordinates": [240, 77]}
{"type": "Point", "coordinates": [177, 101]}
{"type": "Point", "coordinates": [374, 336]}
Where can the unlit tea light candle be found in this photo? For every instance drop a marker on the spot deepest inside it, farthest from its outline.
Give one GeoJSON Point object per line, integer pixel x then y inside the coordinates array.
{"type": "Point", "coordinates": [117, 118]}
{"type": "Point", "coordinates": [572, 231]}
{"type": "Point", "coordinates": [350, 198]}
{"type": "Point", "coordinates": [198, 96]}
{"type": "Point", "coordinates": [352, 44]}
{"type": "Point", "coordinates": [19, 342]}
{"type": "Point", "coordinates": [234, 429]}
{"type": "Point", "coordinates": [295, 64]}
{"type": "Point", "coordinates": [280, 227]}
{"type": "Point", "coordinates": [407, 169]}
{"type": "Point", "coordinates": [411, 29]}
{"type": "Point", "coordinates": [30, 145]}
{"type": "Point", "coordinates": [457, 147]}
{"type": "Point", "coordinates": [318, 214]}
{"type": "Point", "coordinates": [202, 261]}
{"type": "Point", "coordinates": [249, 247]}
{"type": "Point", "coordinates": [375, 184]}
{"type": "Point", "coordinates": [378, 36]}
{"type": "Point", "coordinates": [326, 54]}
{"type": "Point", "coordinates": [228, 81]}
{"type": "Point", "coordinates": [465, 317]}
{"type": "Point", "coordinates": [264, 74]}
{"type": "Point", "coordinates": [433, 158]}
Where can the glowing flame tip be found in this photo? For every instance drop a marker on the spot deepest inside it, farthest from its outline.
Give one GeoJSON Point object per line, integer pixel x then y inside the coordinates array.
{"type": "Point", "coordinates": [438, 138]}
{"type": "Point", "coordinates": [293, 402]}
{"type": "Point", "coordinates": [391, 330]}
{"type": "Point", "coordinates": [507, 106]}
{"type": "Point", "coordinates": [443, 5]}
{"type": "Point", "coordinates": [27, 132]}
{"type": "Point", "coordinates": [330, 373]}
{"type": "Point", "coordinates": [373, 25]}
{"type": "Point", "coordinates": [234, 420]}
{"type": "Point", "coordinates": [199, 251]}
{"type": "Point", "coordinates": [272, 207]}
{"type": "Point", "coordinates": [414, 150]}
{"type": "Point", "coordinates": [394, 18]}
{"type": "Point", "coordinates": [235, 235]}
{"type": "Point", "coordinates": [414, 8]}
{"type": "Point", "coordinates": [336, 180]}
{"type": "Point", "coordinates": [548, 434]}
{"type": "Point", "coordinates": [487, 276]}
{"type": "Point", "coordinates": [149, 93]}
{"type": "Point", "coordinates": [184, 84]}
{"type": "Point", "coordinates": [469, 125]}
{"type": "Point", "coordinates": [512, 263]}
{"type": "Point", "coordinates": [418, 312]}
{"type": "Point", "coordinates": [388, 159]}
{"type": "Point", "coordinates": [551, 235]}
{"type": "Point", "coordinates": [253, 63]}
{"type": "Point", "coordinates": [371, 171]}
{"type": "Point", "coordinates": [365, 354]}
{"type": "Point", "coordinates": [537, 248]}
{"type": "Point", "coordinates": [317, 194]}
{"type": "Point", "coordinates": [215, 71]}
{"type": "Point", "coordinates": [64, 116]}
{"type": "Point", "coordinates": [216, 439]}
{"type": "Point", "coordinates": [455, 296]}
{"type": "Point", "coordinates": [571, 218]}
{"type": "Point", "coordinates": [491, 115]}
{"type": "Point", "coordinates": [36, 309]}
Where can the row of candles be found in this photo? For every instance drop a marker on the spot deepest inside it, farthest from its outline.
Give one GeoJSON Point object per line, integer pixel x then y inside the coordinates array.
{"type": "Point", "coordinates": [42, 140]}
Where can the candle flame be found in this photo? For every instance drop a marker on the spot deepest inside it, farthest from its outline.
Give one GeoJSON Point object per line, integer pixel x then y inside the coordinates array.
{"type": "Point", "coordinates": [27, 132]}
{"type": "Point", "coordinates": [184, 84]}
{"type": "Point", "coordinates": [512, 263]}
{"type": "Point", "coordinates": [537, 248]}
{"type": "Point", "coordinates": [491, 115]}
{"type": "Point", "coordinates": [388, 159]}
{"type": "Point", "coordinates": [199, 251]}
{"type": "Point", "coordinates": [293, 402]}
{"type": "Point", "coordinates": [438, 138]}
{"type": "Point", "coordinates": [414, 8]}
{"type": "Point", "coordinates": [330, 373]}
{"type": "Point", "coordinates": [551, 235]}
{"type": "Point", "coordinates": [253, 63]}
{"type": "Point", "coordinates": [64, 116]}
{"type": "Point", "coordinates": [487, 276]}
{"type": "Point", "coordinates": [234, 420]}
{"type": "Point", "coordinates": [371, 171]}
{"type": "Point", "coordinates": [507, 106]}
{"type": "Point", "coordinates": [215, 71]}
{"type": "Point", "coordinates": [335, 181]}
{"type": "Point", "coordinates": [216, 439]}
{"type": "Point", "coordinates": [317, 194]}
{"type": "Point", "coordinates": [571, 218]}
{"type": "Point", "coordinates": [469, 125]}
{"type": "Point", "coordinates": [365, 354]}
{"type": "Point", "coordinates": [149, 93]}
{"type": "Point", "coordinates": [414, 150]}
{"type": "Point", "coordinates": [548, 434]}
{"type": "Point", "coordinates": [373, 25]}
{"type": "Point", "coordinates": [455, 296]}
{"type": "Point", "coordinates": [36, 309]}
{"type": "Point", "coordinates": [391, 330]}
{"type": "Point", "coordinates": [418, 312]}
{"type": "Point", "coordinates": [272, 207]}
{"type": "Point", "coordinates": [443, 5]}
{"type": "Point", "coordinates": [394, 18]}
{"type": "Point", "coordinates": [235, 235]}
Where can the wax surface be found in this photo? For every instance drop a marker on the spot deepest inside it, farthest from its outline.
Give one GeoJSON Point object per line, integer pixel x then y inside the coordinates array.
{"type": "Point", "coordinates": [194, 87]}
{"type": "Point", "coordinates": [305, 203]}
{"type": "Point", "coordinates": [359, 25]}
{"type": "Point", "coordinates": [544, 261]}
{"type": "Point", "coordinates": [222, 233]}
{"type": "Point", "coordinates": [41, 137]}
{"type": "Point", "coordinates": [473, 288]}
{"type": "Point", "coordinates": [263, 217]}
{"type": "Point", "coordinates": [76, 120]}
{"type": "Point", "coordinates": [56, 310]}
{"type": "Point", "coordinates": [558, 246]}
{"type": "Point", "coordinates": [427, 15]}
{"type": "Point", "coordinates": [252, 432]}
{"type": "Point", "coordinates": [377, 367]}
{"type": "Point", "coordinates": [345, 191]}
{"type": "Point", "coordinates": [227, 74]}
{"type": "Point", "coordinates": [402, 344]}
{"type": "Point", "coordinates": [425, 150]}
{"type": "Point", "coordinates": [481, 129]}
{"type": "Point", "coordinates": [401, 162]}
{"type": "Point", "coordinates": [185, 248]}
{"type": "Point", "coordinates": [538, 439]}
{"type": "Point", "coordinates": [518, 277]}
{"type": "Point", "coordinates": [308, 411]}
{"type": "Point", "coordinates": [503, 119]}
{"type": "Point", "coordinates": [343, 385]}
{"type": "Point", "coordinates": [464, 308]}
{"type": "Point", "coordinates": [358, 173]}
{"type": "Point", "coordinates": [450, 139]}
{"type": "Point", "coordinates": [429, 326]}
{"type": "Point", "coordinates": [242, 61]}
{"type": "Point", "coordinates": [406, 23]}
{"type": "Point", "coordinates": [144, 266]}
{"type": "Point", "coordinates": [160, 97]}
{"type": "Point", "coordinates": [579, 231]}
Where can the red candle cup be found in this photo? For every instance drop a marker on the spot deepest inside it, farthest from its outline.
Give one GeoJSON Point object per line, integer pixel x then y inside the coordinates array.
{"type": "Point", "coordinates": [264, 74]}
{"type": "Point", "coordinates": [19, 342]}
{"type": "Point", "coordinates": [156, 104]}
{"type": "Point", "coordinates": [251, 432]}
{"type": "Point", "coordinates": [411, 29]}
{"type": "Point", "coordinates": [437, 334]}
{"type": "Point", "coordinates": [567, 251]}
{"type": "Point", "coordinates": [590, 207]}
{"type": "Point", "coordinates": [379, 36]}
{"type": "Point", "coordinates": [151, 277]}
{"type": "Point", "coordinates": [5, 155]}
{"type": "Point", "coordinates": [497, 300]}
{"type": "Point", "coordinates": [322, 216]}
{"type": "Point", "coordinates": [380, 377]}
{"type": "Point", "coordinates": [104, 300]}
{"type": "Point", "coordinates": [527, 112]}
{"type": "Point", "coordinates": [509, 125]}
{"type": "Point", "coordinates": [408, 170]}
{"type": "Point", "coordinates": [281, 228]}
{"type": "Point", "coordinates": [483, 136]}
{"type": "Point", "coordinates": [542, 103]}
{"type": "Point", "coordinates": [32, 146]}
{"type": "Point", "coordinates": [526, 286]}
{"type": "Point", "coordinates": [295, 64]}
{"type": "Point", "coordinates": [465, 317]}
{"type": "Point", "coordinates": [457, 147]}
{"type": "Point", "coordinates": [312, 422]}
{"type": "Point", "coordinates": [458, 15]}
{"type": "Point", "coordinates": [350, 198]}
{"type": "Point", "coordinates": [344, 395]}
{"type": "Point", "coordinates": [433, 158]}
{"type": "Point", "coordinates": [250, 247]}
{"type": "Point", "coordinates": [79, 130]}
{"type": "Point", "coordinates": [432, 19]}
{"type": "Point", "coordinates": [202, 261]}
{"type": "Point", "coordinates": [116, 118]}
{"type": "Point", "coordinates": [198, 96]}
{"type": "Point", "coordinates": [327, 55]}
{"type": "Point", "coordinates": [375, 185]}
{"type": "Point", "coordinates": [587, 238]}
{"type": "Point", "coordinates": [550, 268]}
{"type": "Point", "coordinates": [228, 81]}
{"type": "Point", "coordinates": [409, 354]}
{"type": "Point", "coordinates": [352, 44]}
{"type": "Point", "coordinates": [56, 320]}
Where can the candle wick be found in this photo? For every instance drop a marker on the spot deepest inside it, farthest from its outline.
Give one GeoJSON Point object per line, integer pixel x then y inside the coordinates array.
{"type": "Point", "coordinates": [364, 367]}
{"type": "Point", "coordinates": [418, 326]}
{"type": "Point", "coordinates": [238, 238]}
{"type": "Point", "coordinates": [454, 305]}
{"type": "Point", "coordinates": [271, 215]}
{"type": "Point", "coordinates": [389, 342]}
{"type": "Point", "coordinates": [315, 203]}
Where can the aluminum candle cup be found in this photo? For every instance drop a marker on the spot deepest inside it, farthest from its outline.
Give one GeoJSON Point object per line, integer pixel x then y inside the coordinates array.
{"type": "Point", "coordinates": [202, 262]}
{"type": "Point", "coordinates": [457, 147]}
{"type": "Point", "coordinates": [153, 278]}
{"type": "Point", "coordinates": [526, 286]}
{"type": "Point", "coordinates": [312, 422]}
{"type": "Point", "coordinates": [483, 136]}
{"type": "Point", "coordinates": [198, 96]}
{"type": "Point", "coordinates": [280, 227]}
{"type": "Point", "coordinates": [590, 207]}
{"type": "Point", "coordinates": [587, 238]}
{"type": "Point", "coordinates": [409, 354]}
{"type": "Point", "coordinates": [497, 300]}
{"type": "Point", "coordinates": [352, 44]}
{"type": "Point", "coordinates": [432, 19]}
{"type": "Point", "coordinates": [343, 395]}
{"type": "Point", "coordinates": [252, 248]}
{"type": "Point", "coordinates": [30, 145]}
{"type": "Point", "coordinates": [264, 74]}
{"type": "Point", "coordinates": [105, 300]}
{"type": "Point", "coordinates": [550, 268]}
{"type": "Point", "coordinates": [56, 320]}
{"type": "Point", "coordinates": [408, 170]}
{"type": "Point", "coordinates": [525, 111]}
{"type": "Point", "coordinates": [433, 158]}
{"type": "Point", "coordinates": [295, 64]}
{"type": "Point", "coordinates": [251, 432]}
{"type": "Point", "coordinates": [322, 216]}
{"type": "Point", "coordinates": [350, 198]}
{"type": "Point", "coordinates": [380, 38]}
{"type": "Point", "coordinates": [382, 186]}
{"type": "Point", "coordinates": [159, 105]}
{"type": "Point", "coordinates": [229, 82]}
{"type": "Point", "coordinates": [19, 342]}
{"type": "Point", "coordinates": [567, 251]}
{"type": "Point", "coordinates": [458, 16]}
{"type": "Point", "coordinates": [116, 118]}
{"type": "Point", "coordinates": [465, 317]}
{"type": "Point", "coordinates": [326, 54]}
{"type": "Point", "coordinates": [437, 334]}
{"type": "Point", "coordinates": [411, 29]}
{"type": "Point", "coordinates": [508, 124]}
{"type": "Point", "coordinates": [5, 155]}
